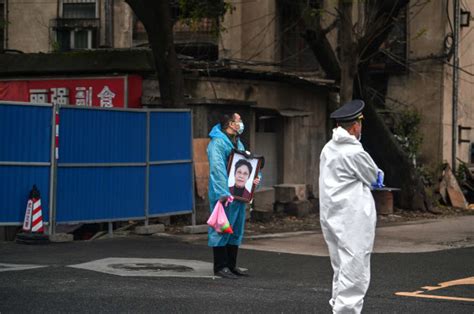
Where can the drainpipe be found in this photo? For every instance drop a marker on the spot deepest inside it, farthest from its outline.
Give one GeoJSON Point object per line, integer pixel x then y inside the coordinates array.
{"type": "Point", "coordinates": [456, 12]}
{"type": "Point", "coordinates": [5, 30]}
{"type": "Point", "coordinates": [109, 23]}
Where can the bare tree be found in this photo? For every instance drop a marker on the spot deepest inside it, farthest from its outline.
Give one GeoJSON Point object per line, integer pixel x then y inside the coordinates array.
{"type": "Point", "coordinates": [357, 43]}
{"type": "Point", "coordinates": [347, 63]}
{"type": "Point", "coordinates": [157, 19]}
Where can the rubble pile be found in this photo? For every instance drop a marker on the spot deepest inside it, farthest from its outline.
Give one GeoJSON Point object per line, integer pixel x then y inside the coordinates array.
{"type": "Point", "coordinates": [458, 194]}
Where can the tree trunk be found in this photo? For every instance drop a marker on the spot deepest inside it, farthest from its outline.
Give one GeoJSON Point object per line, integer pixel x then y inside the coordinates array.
{"type": "Point", "coordinates": [322, 50]}
{"type": "Point", "coordinates": [378, 139]}
{"type": "Point", "coordinates": [352, 59]}
{"type": "Point", "coordinates": [156, 17]}
{"type": "Point", "coordinates": [348, 58]}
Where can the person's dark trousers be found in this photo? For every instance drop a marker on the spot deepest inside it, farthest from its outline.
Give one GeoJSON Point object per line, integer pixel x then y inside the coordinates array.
{"type": "Point", "coordinates": [232, 251]}
{"type": "Point", "coordinates": [221, 261]}
{"type": "Point", "coordinates": [220, 257]}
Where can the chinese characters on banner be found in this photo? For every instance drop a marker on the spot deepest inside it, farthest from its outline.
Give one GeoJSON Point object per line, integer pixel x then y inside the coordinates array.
{"type": "Point", "coordinates": [105, 92]}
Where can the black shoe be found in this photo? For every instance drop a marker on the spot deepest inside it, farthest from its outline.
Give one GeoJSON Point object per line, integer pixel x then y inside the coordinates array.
{"type": "Point", "coordinates": [239, 272]}
{"type": "Point", "coordinates": [225, 273]}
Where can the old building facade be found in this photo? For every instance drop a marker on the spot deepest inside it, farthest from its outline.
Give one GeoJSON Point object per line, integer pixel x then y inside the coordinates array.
{"type": "Point", "coordinates": [63, 25]}
{"type": "Point", "coordinates": [427, 83]}
{"type": "Point", "coordinates": [261, 66]}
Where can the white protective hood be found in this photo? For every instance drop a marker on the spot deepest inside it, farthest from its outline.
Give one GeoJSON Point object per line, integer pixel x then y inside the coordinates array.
{"type": "Point", "coordinates": [348, 217]}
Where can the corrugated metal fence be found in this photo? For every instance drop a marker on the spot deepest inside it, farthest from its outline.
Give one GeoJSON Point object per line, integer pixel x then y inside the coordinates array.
{"type": "Point", "coordinates": [112, 164]}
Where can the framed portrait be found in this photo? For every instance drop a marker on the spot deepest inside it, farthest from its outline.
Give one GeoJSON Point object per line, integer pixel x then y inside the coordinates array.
{"type": "Point", "coordinates": [242, 170]}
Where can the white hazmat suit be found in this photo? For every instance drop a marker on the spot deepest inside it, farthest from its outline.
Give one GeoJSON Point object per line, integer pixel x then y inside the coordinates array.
{"type": "Point", "coordinates": [348, 217]}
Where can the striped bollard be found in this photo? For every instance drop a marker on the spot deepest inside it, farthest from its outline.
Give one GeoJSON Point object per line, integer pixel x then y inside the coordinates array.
{"type": "Point", "coordinates": [33, 227]}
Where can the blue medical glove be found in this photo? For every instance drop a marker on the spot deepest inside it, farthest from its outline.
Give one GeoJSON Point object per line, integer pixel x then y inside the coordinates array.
{"type": "Point", "coordinates": [379, 183]}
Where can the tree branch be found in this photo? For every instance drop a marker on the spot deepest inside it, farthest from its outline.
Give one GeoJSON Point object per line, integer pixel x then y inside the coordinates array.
{"type": "Point", "coordinates": [315, 37]}
{"type": "Point", "coordinates": [322, 50]}
{"type": "Point", "coordinates": [379, 26]}
{"type": "Point", "coordinates": [330, 27]}
{"type": "Point", "coordinates": [157, 19]}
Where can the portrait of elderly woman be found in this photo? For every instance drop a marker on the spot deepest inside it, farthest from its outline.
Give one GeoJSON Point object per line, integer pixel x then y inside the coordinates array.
{"type": "Point", "coordinates": [241, 175]}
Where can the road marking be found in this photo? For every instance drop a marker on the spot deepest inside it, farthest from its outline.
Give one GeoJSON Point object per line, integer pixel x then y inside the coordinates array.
{"type": "Point", "coordinates": [13, 267]}
{"type": "Point", "coordinates": [149, 267]}
{"type": "Point", "coordinates": [443, 285]}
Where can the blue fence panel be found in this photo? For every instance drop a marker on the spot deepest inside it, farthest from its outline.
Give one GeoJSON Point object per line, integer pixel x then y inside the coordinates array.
{"type": "Point", "coordinates": [171, 189]}
{"type": "Point", "coordinates": [90, 185]}
{"type": "Point", "coordinates": [170, 136]}
{"type": "Point", "coordinates": [171, 185]}
{"type": "Point", "coordinates": [25, 144]}
{"type": "Point", "coordinates": [102, 166]}
{"type": "Point", "coordinates": [101, 136]}
{"type": "Point", "coordinates": [15, 185]}
{"type": "Point", "coordinates": [100, 194]}
{"type": "Point", "coordinates": [25, 133]}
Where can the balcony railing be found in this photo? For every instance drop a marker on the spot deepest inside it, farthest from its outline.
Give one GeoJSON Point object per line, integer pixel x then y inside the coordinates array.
{"type": "Point", "coordinates": [75, 23]}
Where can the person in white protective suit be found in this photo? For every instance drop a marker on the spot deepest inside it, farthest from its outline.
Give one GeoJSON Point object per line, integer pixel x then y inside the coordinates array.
{"type": "Point", "coordinates": [347, 208]}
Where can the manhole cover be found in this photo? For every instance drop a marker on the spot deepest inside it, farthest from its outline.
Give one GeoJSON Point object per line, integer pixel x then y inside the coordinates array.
{"type": "Point", "coordinates": [150, 267]}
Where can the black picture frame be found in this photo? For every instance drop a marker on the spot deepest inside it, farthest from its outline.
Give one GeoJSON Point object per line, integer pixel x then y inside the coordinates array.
{"type": "Point", "coordinates": [242, 193]}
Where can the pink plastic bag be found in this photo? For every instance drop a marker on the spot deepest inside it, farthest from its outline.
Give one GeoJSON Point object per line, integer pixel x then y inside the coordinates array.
{"type": "Point", "coordinates": [218, 219]}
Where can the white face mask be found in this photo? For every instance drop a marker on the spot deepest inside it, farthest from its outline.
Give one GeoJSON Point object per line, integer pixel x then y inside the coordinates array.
{"type": "Point", "coordinates": [360, 136]}
{"type": "Point", "coordinates": [241, 128]}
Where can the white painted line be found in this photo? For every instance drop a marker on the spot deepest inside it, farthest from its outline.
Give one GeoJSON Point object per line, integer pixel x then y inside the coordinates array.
{"type": "Point", "coordinates": [16, 267]}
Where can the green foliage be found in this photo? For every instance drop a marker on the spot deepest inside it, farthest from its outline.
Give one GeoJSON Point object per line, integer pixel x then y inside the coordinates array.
{"type": "Point", "coordinates": [316, 12]}
{"type": "Point", "coordinates": [461, 172]}
{"type": "Point", "coordinates": [192, 12]}
{"type": "Point", "coordinates": [407, 131]}
{"type": "Point", "coordinates": [3, 24]}
{"type": "Point", "coordinates": [198, 9]}
{"type": "Point", "coordinates": [56, 47]}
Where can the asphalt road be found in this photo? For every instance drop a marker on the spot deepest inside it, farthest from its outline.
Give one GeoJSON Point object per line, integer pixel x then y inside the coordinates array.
{"type": "Point", "coordinates": [280, 283]}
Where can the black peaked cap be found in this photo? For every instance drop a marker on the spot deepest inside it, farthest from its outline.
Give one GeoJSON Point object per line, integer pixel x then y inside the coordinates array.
{"type": "Point", "coordinates": [349, 111]}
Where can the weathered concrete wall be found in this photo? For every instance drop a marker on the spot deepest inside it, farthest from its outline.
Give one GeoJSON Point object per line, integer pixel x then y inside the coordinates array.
{"type": "Point", "coordinates": [302, 137]}
{"type": "Point", "coordinates": [466, 88]}
{"type": "Point", "coordinates": [428, 85]}
{"type": "Point", "coordinates": [28, 28]}
{"type": "Point", "coordinates": [29, 25]}
{"type": "Point", "coordinates": [422, 89]}
{"type": "Point", "coordinates": [123, 24]}
{"type": "Point", "coordinates": [231, 39]}
{"type": "Point", "coordinates": [251, 32]}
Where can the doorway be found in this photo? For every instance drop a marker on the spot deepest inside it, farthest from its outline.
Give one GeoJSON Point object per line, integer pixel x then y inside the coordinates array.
{"type": "Point", "coordinates": [266, 144]}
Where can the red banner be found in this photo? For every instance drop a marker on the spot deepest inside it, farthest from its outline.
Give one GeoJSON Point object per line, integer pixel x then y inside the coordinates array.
{"type": "Point", "coordinates": [107, 92]}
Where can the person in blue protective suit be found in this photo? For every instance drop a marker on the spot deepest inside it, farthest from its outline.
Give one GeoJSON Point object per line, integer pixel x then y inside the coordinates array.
{"type": "Point", "coordinates": [225, 138]}
{"type": "Point", "coordinates": [347, 208]}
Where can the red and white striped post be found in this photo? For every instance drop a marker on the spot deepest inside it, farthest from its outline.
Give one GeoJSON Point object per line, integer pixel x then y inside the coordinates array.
{"type": "Point", "coordinates": [56, 136]}
{"type": "Point", "coordinates": [34, 215]}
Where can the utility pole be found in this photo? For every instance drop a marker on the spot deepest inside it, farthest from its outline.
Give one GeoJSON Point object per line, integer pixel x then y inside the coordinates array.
{"type": "Point", "coordinates": [457, 25]}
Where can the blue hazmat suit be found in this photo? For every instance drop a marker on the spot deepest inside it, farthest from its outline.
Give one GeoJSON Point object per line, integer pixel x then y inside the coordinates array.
{"type": "Point", "coordinates": [348, 217]}
{"type": "Point", "coordinates": [218, 152]}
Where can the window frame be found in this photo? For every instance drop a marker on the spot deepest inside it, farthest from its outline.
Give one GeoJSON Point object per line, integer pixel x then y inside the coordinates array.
{"type": "Point", "coordinates": [62, 2]}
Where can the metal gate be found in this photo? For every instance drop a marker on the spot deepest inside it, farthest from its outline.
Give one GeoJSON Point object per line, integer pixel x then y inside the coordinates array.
{"type": "Point", "coordinates": [110, 165]}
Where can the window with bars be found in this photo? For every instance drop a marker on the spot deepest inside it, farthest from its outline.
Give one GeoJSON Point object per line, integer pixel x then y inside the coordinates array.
{"type": "Point", "coordinates": [78, 25]}
{"type": "Point", "coordinates": [77, 9]}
